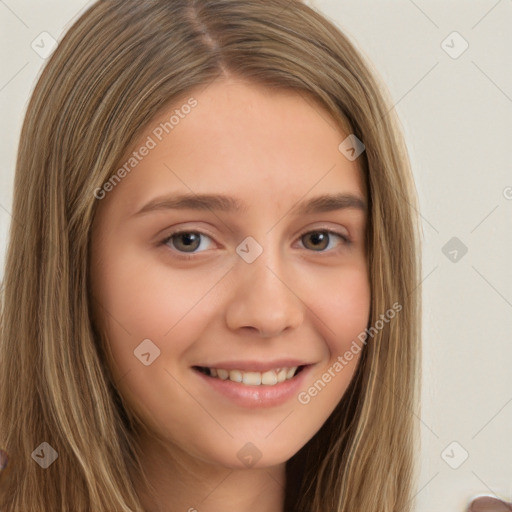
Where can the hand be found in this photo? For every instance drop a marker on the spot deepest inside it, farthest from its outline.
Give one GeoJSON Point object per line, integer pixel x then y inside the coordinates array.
{"type": "Point", "coordinates": [489, 504]}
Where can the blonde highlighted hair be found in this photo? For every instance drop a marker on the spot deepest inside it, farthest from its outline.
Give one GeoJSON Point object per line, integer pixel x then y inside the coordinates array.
{"type": "Point", "coordinates": [117, 67]}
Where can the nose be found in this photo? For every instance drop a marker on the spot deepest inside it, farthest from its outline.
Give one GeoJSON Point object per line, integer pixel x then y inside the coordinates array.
{"type": "Point", "coordinates": [264, 298]}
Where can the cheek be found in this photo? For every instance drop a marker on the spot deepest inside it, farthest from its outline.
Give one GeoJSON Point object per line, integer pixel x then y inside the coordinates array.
{"type": "Point", "coordinates": [148, 300]}
{"type": "Point", "coordinates": [138, 300]}
{"type": "Point", "coordinates": [343, 303]}
{"type": "Point", "coordinates": [343, 308]}
{"type": "Point", "coordinates": [351, 305]}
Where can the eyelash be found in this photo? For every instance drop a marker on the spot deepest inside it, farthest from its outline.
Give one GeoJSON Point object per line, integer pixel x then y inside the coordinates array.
{"type": "Point", "coordinates": [189, 256]}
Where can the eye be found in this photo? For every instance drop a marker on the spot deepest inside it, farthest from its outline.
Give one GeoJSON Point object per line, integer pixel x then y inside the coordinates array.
{"type": "Point", "coordinates": [186, 241]}
{"type": "Point", "coordinates": [320, 240]}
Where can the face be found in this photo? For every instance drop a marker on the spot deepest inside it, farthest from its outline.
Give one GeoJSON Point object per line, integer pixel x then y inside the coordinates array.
{"type": "Point", "coordinates": [266, 277]}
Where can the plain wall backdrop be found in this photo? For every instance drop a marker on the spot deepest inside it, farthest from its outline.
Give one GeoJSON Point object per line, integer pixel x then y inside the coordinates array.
{"type": "Point", "coordinates": [447, 65]}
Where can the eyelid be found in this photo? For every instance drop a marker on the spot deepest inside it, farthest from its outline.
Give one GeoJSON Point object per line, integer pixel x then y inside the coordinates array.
{"type": "Point", "coordinates": [326, 229]}
{"type": "Point", "coordinates": [345, 237]}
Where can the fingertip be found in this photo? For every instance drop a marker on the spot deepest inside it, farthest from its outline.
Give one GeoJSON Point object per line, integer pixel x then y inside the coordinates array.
{"type": "Point", "coordinates": [489, 504]}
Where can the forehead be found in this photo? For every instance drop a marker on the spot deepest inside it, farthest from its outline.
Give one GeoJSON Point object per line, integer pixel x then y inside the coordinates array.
{"type": "Point", "coordinates": [264, 146]}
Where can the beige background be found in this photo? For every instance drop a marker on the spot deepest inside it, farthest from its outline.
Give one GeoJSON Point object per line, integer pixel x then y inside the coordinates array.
{"type": "Point", "coordinates": [456, 112]}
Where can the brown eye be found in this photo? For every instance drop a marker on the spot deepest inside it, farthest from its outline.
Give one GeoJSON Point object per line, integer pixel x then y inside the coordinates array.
{"type": "Point", "coordinates": [185, 241]}
{"type": "Point", "coordinates": [320, 240]}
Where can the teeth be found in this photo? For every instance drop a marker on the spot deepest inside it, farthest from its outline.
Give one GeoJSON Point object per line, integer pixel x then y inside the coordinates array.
{"type": "Point", "coordinates": [290, 373]}
{"type": "Point", "coordinates": [281, 376]}
{"type": "Point", "coordinates": [251, 378]}
{"type": "Point", "coordinates": [236, 376]}
{"type": "Point", "coordinates": [269, 378]}
{"type": "Point", "coordinates": [222, 374]}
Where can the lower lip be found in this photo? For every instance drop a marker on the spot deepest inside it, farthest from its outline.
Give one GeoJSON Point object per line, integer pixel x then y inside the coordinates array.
{"type": "Point", "coordinates": [254, 397]}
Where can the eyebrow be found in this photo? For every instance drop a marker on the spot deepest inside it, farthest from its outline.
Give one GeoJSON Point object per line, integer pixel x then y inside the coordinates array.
{"type": "Point", "coordinates": [222, 203]}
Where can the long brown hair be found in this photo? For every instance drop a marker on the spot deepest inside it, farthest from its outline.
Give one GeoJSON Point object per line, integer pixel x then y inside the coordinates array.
{"type": "Point", "coordinates": [118, 66]}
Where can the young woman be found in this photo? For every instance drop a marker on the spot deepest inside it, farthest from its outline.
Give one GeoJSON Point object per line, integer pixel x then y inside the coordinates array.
{"type": "Point", "coordinates": [211, 297]}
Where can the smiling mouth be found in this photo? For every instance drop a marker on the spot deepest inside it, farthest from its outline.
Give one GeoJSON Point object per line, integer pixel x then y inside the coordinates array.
{"type": "Point", "coordinates": [249, 378]}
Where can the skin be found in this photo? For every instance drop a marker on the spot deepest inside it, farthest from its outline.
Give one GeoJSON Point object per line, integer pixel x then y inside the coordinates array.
{"type": "Point", "coordinates": [300, 298]}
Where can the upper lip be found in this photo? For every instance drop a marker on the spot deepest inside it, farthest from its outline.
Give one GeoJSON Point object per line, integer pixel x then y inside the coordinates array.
{"type": "Point", "coordinates": [256, 366]}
